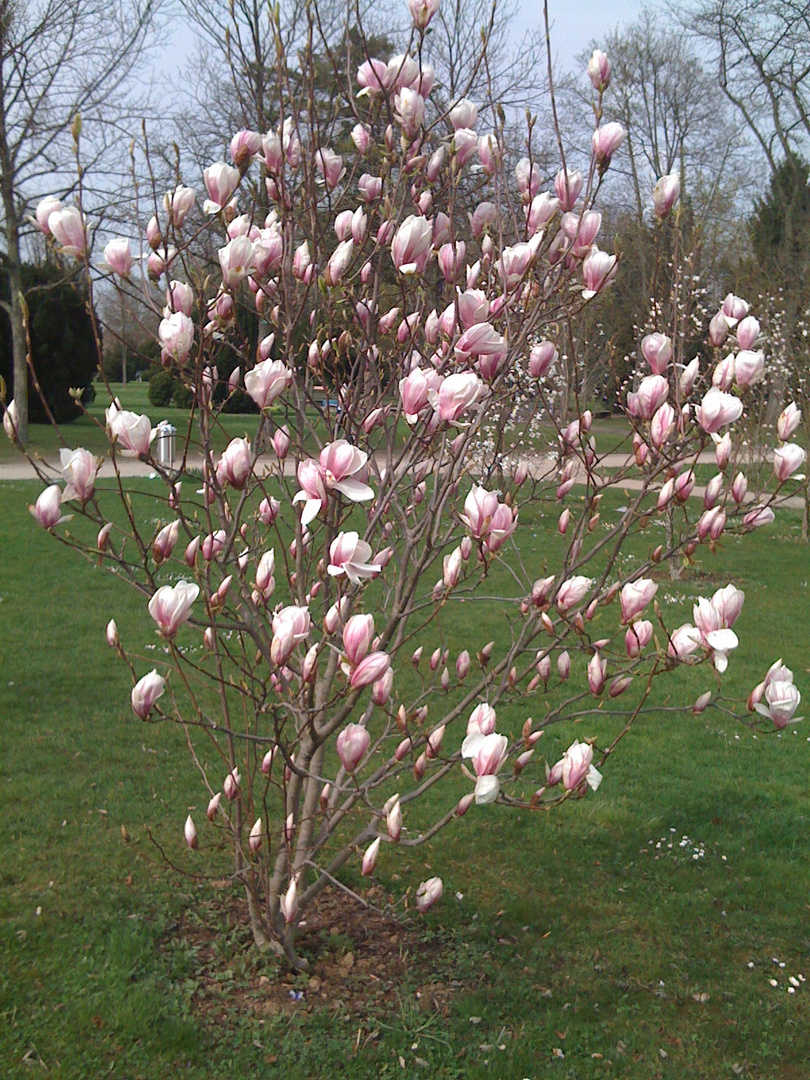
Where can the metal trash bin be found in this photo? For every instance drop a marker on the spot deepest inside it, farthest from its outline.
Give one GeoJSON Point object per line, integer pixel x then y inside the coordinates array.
{"type": "Point", "coordinates": [165, 443]}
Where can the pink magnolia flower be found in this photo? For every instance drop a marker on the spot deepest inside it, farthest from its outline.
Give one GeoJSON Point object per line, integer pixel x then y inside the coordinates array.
{"type": "Point", "coordinates": [350, 555]}
{"type": "Point", "coordinates": [422, 11]}
{"type": "Point", "coordinates": [567, 186]}
{"type": "Point", "coordinates": [330, 166]}
{"type": "Point", "coordinates": [341, 464]}
{"type": "Point", "coordinates": [381, 689]}
{"type": "Point", "coordinates": [370, 187]}
{"type": "Point", "coordinates": [666, 193]}
{"type": "Point", "coordinates": [179, 297]}
{"type": "Point", "coordinates": [165, 541]}
{"type": "Point", "coordinates": [170, 606]}
{"type": "Point", "coordinates": [11, 420]}
{"type": "Point", "coordinates": [118, 257]}
{"type": "Point", "coordinates": [291, 626]}
{"type": "Point", "coordinates": [662, 425]}
{"type": "Point", "coordinates": [542, 209]}
{"type": "Point", "coordinates": [782, 700]}
{"type": "Point", "coordinates": [597, 674]}
{"type": "Point", "coordinates": [606, 140]}
{"type": "Point", "coordinates": [747, 332]}
{"type": "Point", "coordinates": [788, 422]}
{"type": "Point", "coordinates": [718, 409]}
{"type": "Point", "coordinates": [479, 509]}
{"type": "Point", "coordinates": [178, 204]}
{"type": "Point", "coordinates": [598, 270]}
{"type": "Point", "coordinates": [581, 230]}
{"type": "Point", "coordinates": [465, 144]}
{"type": "Point", "coordinates": [749, 367]}
{"type": "Point", "coordinates": [145, 693]}
{"type": "Point", "coordinates": [131, 432]}
{"type": "Point", "coordinates": [502, 526]}
{"type": "Point", "coordinates": [578, 767]}
{"type": "Point", "coordinates": [221, 181]}
{"type": "Point", "coordinates": [728, 603]}
{"type": "Point", "coordinates": [370, 669]}
{"type": "Point", "coordinates": [652, 392]}
{"type": "Point", "coordinates": [267, 381]}
{"type": "Point", "coordinates": [410, 110]}
{"type": "Point", "coordinates": [787, 459]}
{"type": "Point", "coordinates": [484, 344]}
{"type": "Point", "coordinates": [488, 753]}
{"type": "Point", "coordinates": [489, 153]}
{"type": "Point", "coordinates": [235, 465]}
{"type": "Point", "coordinates": [638, 636]}
{"type": "Point", "coordinates": [542, 357]}
{"type": "Point", "coordinates": [244, 146]}
{"type": "Point", "coordinates": [265, 582]}
{"type": "Point", "coordinates": [288, 904]}
{"type": "Point", "coordinates": [255, 837]}
{"type": "Point", "coordinates": [352, 743]}
{"type": "Point", "coordinates": [45, 208]}
{"type": "Point", "coordinates": [339, 262]}
{"type": "Point", "coordinates": [79, 468]}
{"type": "Point", "coordinates": [313, 491]}
{"type": "Point", "coordinates": [464, 114]}
{"type": "Point", "coordinates": [411, 246]}
{"type": "Point", "coordinates": [513, 264]}
{"type": "Point", "coordinates": [375, 77]}
{"type": "Point", "coordinates": [48, 507]}
{"type": "Point", "coordinates": [733, 310]}
{"type": "Point", "coordinates": [451, 260]}
{"type": "Point", "coordinates": [67, 228]}
{"type": "Point", "coordinates": [760, 515]}
{"type": "Point", "coordinates": [176, 334]}
{"type": "Point", "coordinates": [456, 394]}
{"type": "Point", "coordinates": [190, 833]}
{"type": "Point", "coordinates": [687, 378]}
{"type": "Point", "coordinates": [370, 858]}
{"type": "Point", "coordinates": [428, 893]}
{"type": "Point", "coordinates": [527, 174]}
{"type": "Point", "coordinates": [599, 71]}
{"type": "Point", "coordinates": [572, 592]}
{"type": "Point", "coordinates": [236, 261]}
{"type": "Point", "coordinates": [635, 596]}
{"type": "Point", "coordinates": [657, 351]}
{"type": "Point", "coordinates": [684, 483]}
{"type": "Point", "coordinates": [718, 330]}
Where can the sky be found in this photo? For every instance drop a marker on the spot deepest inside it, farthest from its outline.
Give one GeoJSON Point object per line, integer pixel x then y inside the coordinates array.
{"type": "Point", "coordinates": [574, 23]}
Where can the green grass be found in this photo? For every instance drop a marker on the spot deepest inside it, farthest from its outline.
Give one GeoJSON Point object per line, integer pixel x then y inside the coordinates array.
{"type": "Point", "coordinates": [574, 934]}
{"type": "Point", "coordinates": [88, 430]}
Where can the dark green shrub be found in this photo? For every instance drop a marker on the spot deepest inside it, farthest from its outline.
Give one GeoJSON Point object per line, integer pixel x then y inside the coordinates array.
{"type": "Point", "coordinates": [161, 389]}
{"type": "Point", "coordinates": [63, 344]}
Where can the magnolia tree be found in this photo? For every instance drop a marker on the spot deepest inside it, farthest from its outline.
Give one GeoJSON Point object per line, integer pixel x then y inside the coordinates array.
{"type": "Point", "coordinates": [409, 290]}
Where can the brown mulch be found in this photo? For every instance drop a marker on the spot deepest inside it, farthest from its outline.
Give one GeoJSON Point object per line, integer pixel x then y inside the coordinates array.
{"type": "Point", "coordinates": [361, 961]}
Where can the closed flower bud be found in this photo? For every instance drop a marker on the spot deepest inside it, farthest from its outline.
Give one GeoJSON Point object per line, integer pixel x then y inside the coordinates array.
{"type": "Point", "coordinates": [190, 833]}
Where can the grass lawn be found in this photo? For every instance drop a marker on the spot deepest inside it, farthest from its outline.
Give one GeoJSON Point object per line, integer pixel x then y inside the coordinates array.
{"type": "Point", "coordinates": [88, 431]}
{"type": "Point", "coordinates": [633, 934]}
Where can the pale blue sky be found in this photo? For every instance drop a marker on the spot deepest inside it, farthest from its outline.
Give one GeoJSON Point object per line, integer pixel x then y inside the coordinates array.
{"type": "Point", "coordinates": [574, 24]}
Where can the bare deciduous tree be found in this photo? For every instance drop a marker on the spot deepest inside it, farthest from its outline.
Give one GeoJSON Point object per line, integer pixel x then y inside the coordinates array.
{"type": "Point", "coordinates": [59, 60]}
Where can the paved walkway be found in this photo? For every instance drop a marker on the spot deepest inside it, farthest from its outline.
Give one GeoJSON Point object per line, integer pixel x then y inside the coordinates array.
{"type": "Point", "coordinates": [132, 467]}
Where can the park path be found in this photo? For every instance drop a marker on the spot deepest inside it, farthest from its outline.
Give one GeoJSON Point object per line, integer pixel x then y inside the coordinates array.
{"type": "Point", "coordinates": [132, 467]}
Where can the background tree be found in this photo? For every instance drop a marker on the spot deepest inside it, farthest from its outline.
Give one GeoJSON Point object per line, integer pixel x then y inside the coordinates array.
{"type": "Point", "coordinates": [59, 60]}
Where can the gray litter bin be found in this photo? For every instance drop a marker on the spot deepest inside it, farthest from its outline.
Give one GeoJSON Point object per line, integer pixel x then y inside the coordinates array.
{"type": "Point", "coordinates": [165, 443]}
